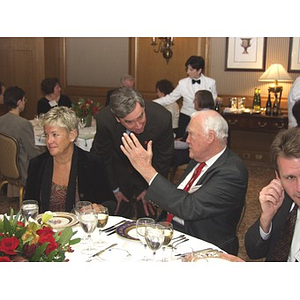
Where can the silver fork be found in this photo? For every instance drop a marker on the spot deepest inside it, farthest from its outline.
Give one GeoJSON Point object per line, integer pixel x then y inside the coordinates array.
{"type": "Point", "coordinates": [178, 240]}
{"type": "Point", "coordinates": [175, 245]}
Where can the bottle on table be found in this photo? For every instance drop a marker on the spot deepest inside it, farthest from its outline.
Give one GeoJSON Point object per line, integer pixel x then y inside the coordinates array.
{"type": "Point", "coordinates": [256, 100]}
{"type": "Point", "coordinates": [269, 106]}
{"type": "Point", "coordinates": [275, 106]}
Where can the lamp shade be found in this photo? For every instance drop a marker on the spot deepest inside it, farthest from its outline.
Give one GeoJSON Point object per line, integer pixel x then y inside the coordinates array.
{"type": "Point", "coordinates": [275, 72]}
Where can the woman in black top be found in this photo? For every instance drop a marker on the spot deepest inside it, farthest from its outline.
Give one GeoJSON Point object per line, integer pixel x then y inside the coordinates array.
{"type": "Point", "coordinates": [51, 89]}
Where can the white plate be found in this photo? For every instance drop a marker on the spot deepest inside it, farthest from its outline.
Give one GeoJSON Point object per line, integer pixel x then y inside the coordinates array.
{"type": "Point", "coordinates": [60, 220]}
{"type": "Point", "coordinates": [114, 255]}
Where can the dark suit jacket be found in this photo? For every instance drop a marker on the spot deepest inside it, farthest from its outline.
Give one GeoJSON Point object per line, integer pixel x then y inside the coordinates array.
{"type": "Point", "coordinates": [87, 169]}
{"type": "Point", "coordinates": [43, 104]}
{"type": "Point", "coordinates": [213, 211]}
{"type": "Point", "coordinates": [107, 143]}
{"type": "Point", "coordinates": [258, 248]}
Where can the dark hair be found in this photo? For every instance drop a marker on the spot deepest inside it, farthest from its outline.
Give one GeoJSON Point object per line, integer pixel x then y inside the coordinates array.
{"type": "Point", "coordinates": [12, 95]}
{"type": "Point", "coordinates": [165, 86]}
{"type": "Point", "coordinates": [123, 101]}
{"type": "Point", "coordinates": [48, 85]}
{"type": "Point", "coordinates": [296, 112]}
{"type": "Point", "coordinates": [205, 99]}
{"type": "Point", "coordinates": [1, 84]}
{"type": "Point", "coordinates": [196, 62]}
{"type": "Point", "coordinates": [285, 144]}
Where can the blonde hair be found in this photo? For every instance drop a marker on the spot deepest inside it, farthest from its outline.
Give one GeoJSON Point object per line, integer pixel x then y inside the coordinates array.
{"type": "Point", "coordinates": [61, 116]}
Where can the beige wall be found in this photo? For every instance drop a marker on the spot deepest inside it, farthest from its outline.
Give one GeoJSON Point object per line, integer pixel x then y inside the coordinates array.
{"type": "Point", "coordinates": [242, 83]}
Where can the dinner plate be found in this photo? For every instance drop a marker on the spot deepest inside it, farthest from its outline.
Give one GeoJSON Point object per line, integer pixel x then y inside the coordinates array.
{"type": "Point", "coordinates": [60, 220]}
{"type": "Point", "coordinates": [114, 254]}
{"type": "Point", "coordinates": [128, 231]}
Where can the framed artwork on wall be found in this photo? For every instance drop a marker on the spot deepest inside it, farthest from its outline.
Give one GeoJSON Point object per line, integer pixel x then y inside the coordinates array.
{"type": "Point", "coordinates": [294, 55]}
{"type": "Point", "coordinates": [245, 54]}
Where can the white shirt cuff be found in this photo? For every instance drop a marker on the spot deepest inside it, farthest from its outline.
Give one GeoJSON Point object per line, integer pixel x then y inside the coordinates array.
{"type": "Point", "coordinates": [264, 235]}
{"type": "Point", "coordinates": [152, 178]}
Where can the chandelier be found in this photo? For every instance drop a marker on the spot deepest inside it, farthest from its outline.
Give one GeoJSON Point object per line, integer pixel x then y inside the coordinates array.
{"type": "Point", "coordinates": [164, 45]}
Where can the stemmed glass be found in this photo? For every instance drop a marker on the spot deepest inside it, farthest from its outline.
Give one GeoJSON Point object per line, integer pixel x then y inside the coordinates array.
{"type": "Point", "coordinates": [154, 236]}
{"type": "Point", "coordinates": [168, 232]}
{"type": "Point", "coordinates": [82, 206]}
{"type": "Point", "coordinates": [82, 122]}
{"type": "Point", "coordinates": [88, 220]}
{"type": "Point", "coordinates": [141, 225]}
{"type": "Point", "coordinates": [103, 214]}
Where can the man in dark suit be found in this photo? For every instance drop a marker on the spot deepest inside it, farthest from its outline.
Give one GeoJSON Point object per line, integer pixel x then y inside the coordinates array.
{"type": "Point", "coordinates": [128, 112]}
{"type": "Point", "coordinates": [211, 207]}
{"type": "Point", "coordinates": [278, 200]}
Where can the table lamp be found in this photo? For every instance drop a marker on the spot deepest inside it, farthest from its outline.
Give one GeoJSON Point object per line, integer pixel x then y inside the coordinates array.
{"type": "Point", "coordinates": [276, 73]}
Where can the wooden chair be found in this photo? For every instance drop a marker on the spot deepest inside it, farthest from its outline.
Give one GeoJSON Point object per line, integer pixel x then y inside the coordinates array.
{"type": "Point", "coordinates": [9, 164]}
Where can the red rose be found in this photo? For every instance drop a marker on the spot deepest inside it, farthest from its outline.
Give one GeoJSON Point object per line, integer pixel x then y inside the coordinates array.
{"type": "Point", "coordinates": [4, 259]}
{"type": "Point", "coordinates": [46, 235]}
{"type": "Point", "coordinates": [21, 224]}
{"type": "Point", "coordinates": [29, 250]}
{"type": "Point", "coordinates": [9, 245]}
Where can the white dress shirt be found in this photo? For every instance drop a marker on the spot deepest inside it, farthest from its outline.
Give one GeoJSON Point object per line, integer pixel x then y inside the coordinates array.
{"type": "Point", "coordinates": [194, 187]}
{"type": "Point", "coordinates": [187, 90]}
{"type": "Point", "coordinates": [294, 95]}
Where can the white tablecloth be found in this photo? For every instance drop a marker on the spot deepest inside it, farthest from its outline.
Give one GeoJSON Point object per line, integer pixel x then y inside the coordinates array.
{"type": "Point", "coordinates": [84, 140]}
{"type": "Point", "coordinates": [135, 248]}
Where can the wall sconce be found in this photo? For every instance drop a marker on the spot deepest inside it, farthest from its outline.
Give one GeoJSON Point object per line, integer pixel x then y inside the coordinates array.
{"type": "Point", "coordinates": [276, 73]}
{"type": "Point", "coordinates": [165, 46]}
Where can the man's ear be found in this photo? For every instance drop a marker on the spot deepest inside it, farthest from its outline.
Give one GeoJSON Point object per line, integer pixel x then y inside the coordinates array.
{"type": "Point", "coordinates": [277, 175]}
{"type": "Point", "coordinates": [118, 120]}
{"type": "Point", "coordinates": [211, 136]}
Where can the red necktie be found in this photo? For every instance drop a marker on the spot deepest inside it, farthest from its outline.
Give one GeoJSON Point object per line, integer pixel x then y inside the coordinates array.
{"type": "Point", "coordinates": [188, 185]}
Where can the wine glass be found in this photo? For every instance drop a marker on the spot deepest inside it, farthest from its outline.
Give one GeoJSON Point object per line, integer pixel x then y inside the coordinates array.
{"type": "Point", "coordinates": [29, 208]}
{"type": "Point", "coordinates": [141, 224]}
{"type": "Point", "coordinates": [168, 232]}
{"type": "Point", "coordinates": [82, 122]}
{"type": "Point", "coordinates": [154, 236]}
{"type": "Point", "coordinates": [88, 220]}
{"type": "Point", "coordinates": [103, 215]}
{"type": "Point", "coordinates": [82, 206]}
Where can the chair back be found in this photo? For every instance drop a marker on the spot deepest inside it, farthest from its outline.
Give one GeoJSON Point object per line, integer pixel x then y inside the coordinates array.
{"type": "Point", "coordinates": [9, 164]}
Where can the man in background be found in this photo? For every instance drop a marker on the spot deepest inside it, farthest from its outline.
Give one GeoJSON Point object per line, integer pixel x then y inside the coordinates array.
{"type": "Point", "coordinates": [126, 81]}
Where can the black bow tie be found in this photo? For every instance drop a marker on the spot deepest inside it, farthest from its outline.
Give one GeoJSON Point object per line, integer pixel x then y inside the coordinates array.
{"type": "Point", "coordinates": [196, 81]}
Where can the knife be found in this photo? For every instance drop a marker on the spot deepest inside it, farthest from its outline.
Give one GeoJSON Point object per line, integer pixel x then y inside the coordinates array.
{"type": "Point", "coordinates": [103, 250]}
{"type": "Point", "coordinates": [113, 226]}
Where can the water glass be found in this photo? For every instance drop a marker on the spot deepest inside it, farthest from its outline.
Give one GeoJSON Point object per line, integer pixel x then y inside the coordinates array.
{"type": "Point", "coordinates": [29, 208]}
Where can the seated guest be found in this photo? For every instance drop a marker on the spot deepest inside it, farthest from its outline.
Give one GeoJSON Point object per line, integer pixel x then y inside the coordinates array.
{"type": "Point", "coordinates": [270, 237]}
{"type": "Point", "coordinates": [2, 89]}
{"type": "Point", "coordinates": [296, 112]}
{"type": "Point", "coordinates": [126, 81]}
{"type": "Point", "coordinates": [129, 112]}
{"type": "Point", "coordinates": [65, 173]}
{"type": "Point", "coordinates": [18, 127]}
{"type": "Point", "coordinates": [207, 203]}
{"type": "Point", "coordinates": [51, 89]}
{"type": "Point", "coordinates": [203, 100]}
{"type": "Point", "coordinates": [164, 87]}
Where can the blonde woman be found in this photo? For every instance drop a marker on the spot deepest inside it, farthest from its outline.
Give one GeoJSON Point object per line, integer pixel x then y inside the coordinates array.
{"type": "Point", "coordinates": [65, 173]}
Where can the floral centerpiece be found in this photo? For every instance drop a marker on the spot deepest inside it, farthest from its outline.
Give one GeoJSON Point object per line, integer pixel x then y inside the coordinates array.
{"type": "Point", "coordinates": [33, 242]}
{"type": "Point", "coordinates": [86, 108]}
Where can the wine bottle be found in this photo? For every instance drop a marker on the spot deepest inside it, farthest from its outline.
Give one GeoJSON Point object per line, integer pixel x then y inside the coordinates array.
{"type": "Point", "coordinates": [269, 106]}
{"type": "Point", "coordinates": [275, 106]}
{"type": "Point", "coordinates": [256, 101]}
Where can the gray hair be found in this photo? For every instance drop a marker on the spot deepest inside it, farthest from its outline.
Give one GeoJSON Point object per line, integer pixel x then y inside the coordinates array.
{"type": "Point", "coordinates": [123, 101]}
{"type": "Point", "coordinates": [285, 144]}
{"type": "Point", "coordinates": [126, 77]}
{"type": "Point", "coordinates": [61, 116]}
{"type": "Point", "coordinates": [214, 121]}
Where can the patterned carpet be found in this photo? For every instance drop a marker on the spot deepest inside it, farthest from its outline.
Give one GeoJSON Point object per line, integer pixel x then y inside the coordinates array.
{"type": "Point", "coordinates": [259, 176]}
